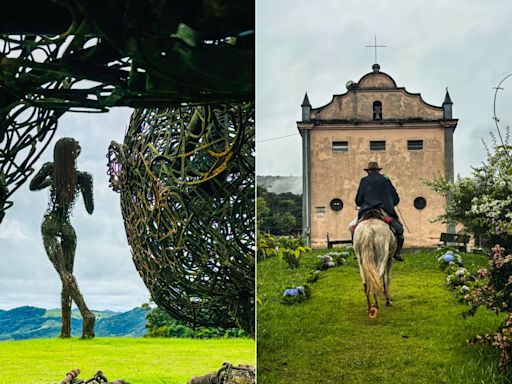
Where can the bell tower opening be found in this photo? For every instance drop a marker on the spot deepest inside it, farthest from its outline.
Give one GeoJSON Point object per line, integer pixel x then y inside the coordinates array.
{"type": "Point", "coordinates": [377, 110]}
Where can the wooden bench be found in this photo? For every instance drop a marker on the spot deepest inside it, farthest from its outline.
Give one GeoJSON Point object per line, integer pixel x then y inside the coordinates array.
{"type": "Point", "coordinates": [459, 239]}
{"type": "Point", "coordinates": [330, 242]}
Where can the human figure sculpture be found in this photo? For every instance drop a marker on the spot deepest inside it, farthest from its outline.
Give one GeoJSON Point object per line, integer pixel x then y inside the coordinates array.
{"type": "Point", "coordinates": [59, 237]}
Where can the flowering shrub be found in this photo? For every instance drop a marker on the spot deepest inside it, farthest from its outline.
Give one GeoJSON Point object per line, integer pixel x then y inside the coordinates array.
{"type": "Point", "coordinates": [458, 276]}
{"type": "Point", "coordinates": [342, 257]}
{"type": "Point", "coordinates": [493, 290]}
{"type": "Point", "coordinates": [482, 202]}
{"type": "Point", "coordinates": [501, 340]}
{"type": "Point", "coordinates": [325, 262]}
{"type": "Point", "coordinates": [449, 259]}
{"type": "Point", "coordinates": [298, 294]}
{"type": "Point", "coordinates": [332, 259]}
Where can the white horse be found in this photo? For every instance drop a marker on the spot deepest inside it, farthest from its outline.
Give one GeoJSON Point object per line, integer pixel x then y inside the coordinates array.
{"type": "Point", "coordinates": [375, 244]}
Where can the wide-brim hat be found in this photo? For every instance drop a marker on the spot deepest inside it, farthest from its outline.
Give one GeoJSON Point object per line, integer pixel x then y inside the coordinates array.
{"type": "Point", "coordinates": [373, 165]}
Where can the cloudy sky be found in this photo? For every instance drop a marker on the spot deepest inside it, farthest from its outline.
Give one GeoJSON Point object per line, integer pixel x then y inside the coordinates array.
{"type": "Point", "coordinates": [318, 46]}
{"type": "Point", "coordinates": [103, 267]}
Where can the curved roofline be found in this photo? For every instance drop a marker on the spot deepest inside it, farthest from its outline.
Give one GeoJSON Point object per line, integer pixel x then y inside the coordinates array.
{"type": "Point", "coordinates": [357, 89]}
{"type": "Point", "coordinates": [421, 98]}
{"type": "Point", "coordinates": [382, 73]}
{"type": "Point", "coordinates": [332, 100]}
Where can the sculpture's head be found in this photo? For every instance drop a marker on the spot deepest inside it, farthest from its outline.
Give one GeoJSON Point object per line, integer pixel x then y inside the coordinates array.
{"type": "Point", "coordinates": [65, 153]}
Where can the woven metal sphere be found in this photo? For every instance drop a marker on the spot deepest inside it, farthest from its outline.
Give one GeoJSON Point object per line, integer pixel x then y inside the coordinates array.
{"type": "Point", "coordinates": [186, 178]}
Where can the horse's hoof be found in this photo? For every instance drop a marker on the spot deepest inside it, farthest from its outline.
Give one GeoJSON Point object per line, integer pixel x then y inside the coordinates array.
{"type": "Point", "coordinates": [372, 312]}
{"type": "Point", "coordinates": [389, 304]}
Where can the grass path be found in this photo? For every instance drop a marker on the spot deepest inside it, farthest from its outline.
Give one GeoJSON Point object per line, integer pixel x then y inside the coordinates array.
{"type": "Point", "coordinates": [329, 338]}
{"type": "Point", "coordinates": [138, 361]}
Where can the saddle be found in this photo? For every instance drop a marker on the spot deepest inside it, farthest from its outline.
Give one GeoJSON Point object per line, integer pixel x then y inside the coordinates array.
{"type": "Point", "coordinates": [377, 214]}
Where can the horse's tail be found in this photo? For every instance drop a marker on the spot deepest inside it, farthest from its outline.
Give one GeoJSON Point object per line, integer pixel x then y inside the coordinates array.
{"type": "Point", "coordinates": [371, 271]}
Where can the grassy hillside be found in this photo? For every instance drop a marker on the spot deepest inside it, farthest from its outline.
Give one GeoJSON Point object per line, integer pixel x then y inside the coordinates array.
{"type": "Point", "coordinates": [138, 361]}
{"type": "Point", "coordinates": [329, 338]}
{"type": "Point", "coordinates": [32, 323]}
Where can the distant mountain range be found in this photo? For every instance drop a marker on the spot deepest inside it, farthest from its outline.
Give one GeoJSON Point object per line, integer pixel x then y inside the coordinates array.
{"type": "Point", "coordinates": [32, 322]}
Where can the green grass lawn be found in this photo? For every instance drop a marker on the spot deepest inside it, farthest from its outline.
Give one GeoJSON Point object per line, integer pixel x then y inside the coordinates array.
{"type": "Point", "coordinates": [329, 338]}
{"type": "Point", "coordinates": [136, 360]}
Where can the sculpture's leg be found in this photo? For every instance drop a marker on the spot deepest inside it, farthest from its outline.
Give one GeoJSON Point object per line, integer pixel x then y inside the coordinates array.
{"type": "Point", "coordinates": [68, 246]}
{"type": "Point", "coordinates": [53, 247]}
{"type": "Point", "coordinates": [65, 300]}
{"type": "Point", "coordinates": [87, 315]}
{"type": "Point", "coordinates": [71, 285]}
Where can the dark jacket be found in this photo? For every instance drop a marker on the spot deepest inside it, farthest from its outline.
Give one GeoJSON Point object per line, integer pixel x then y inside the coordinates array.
{"type": "Point", "coordinates": [376, 191]}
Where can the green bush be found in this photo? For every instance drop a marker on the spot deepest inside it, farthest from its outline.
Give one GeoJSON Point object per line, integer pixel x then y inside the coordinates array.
{"type": "Point", "coordinates": [287, 248]}
{"type": "Point", "coordinates": [482, 202]}
{"type": "Point", "coordinates": [160, 324]}
{"type": "Point", "coordinates": [292, 256]}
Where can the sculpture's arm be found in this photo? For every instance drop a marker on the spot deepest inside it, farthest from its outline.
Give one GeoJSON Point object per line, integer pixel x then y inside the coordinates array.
{"type": "Point", "coordinates": [85, 182]}
{"type": "Point", "coordinates": [43, 178]}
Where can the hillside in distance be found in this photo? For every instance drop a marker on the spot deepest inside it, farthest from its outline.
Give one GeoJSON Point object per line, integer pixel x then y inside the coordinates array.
{"type": "Point", "coordinates": [32, 322]}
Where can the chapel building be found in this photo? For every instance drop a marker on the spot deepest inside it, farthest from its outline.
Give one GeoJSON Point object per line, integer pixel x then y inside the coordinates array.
{"type": "Point", "coordinates": [375, 120]}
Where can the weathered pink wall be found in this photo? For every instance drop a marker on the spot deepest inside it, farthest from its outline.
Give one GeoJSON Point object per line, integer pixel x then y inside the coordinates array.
{"type": "Point", "coordinates": [337, 175]}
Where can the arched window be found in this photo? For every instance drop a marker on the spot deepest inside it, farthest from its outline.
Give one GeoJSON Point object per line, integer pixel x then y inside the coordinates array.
{"type": "Point", "coordinates": [377, 110]}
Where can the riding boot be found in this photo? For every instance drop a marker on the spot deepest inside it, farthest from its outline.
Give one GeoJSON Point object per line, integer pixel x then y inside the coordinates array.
{"type": "Point", "coordinates": [399, 244]}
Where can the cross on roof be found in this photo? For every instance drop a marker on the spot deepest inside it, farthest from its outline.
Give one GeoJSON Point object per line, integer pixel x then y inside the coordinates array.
{"type": "Point", "coordinates": [375, 46]}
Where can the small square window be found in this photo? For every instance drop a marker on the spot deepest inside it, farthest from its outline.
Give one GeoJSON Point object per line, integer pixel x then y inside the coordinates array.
{"type": "Point", "coordinates": [320, 212]}
{"type": "Point", "coordinates": [340, 146]}
{"type": "Point", "coordinates": [379, 145]}
{"type": "Point", "coordinates": [414, 145]}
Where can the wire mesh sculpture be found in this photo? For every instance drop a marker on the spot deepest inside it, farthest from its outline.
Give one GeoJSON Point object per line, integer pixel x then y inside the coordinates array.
{"type": "Point", "coordinates": [59, 237]}
{"type": "Point", "coordinates": [228, 374]}
{"type": "Point", "coordinates": [186, 178]}
{"type": "Point", "coordinates": [149, 54]}
{"type": "Point", "coordinates": [25, 129]}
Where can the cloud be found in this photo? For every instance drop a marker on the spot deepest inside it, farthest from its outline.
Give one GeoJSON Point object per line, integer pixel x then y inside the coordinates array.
{"type": "Point", "coordinates": [13, 230]}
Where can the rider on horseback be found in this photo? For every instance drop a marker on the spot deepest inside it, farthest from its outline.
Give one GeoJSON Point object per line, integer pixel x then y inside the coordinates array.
{"type": "Point", "coordinates": [376, 192]}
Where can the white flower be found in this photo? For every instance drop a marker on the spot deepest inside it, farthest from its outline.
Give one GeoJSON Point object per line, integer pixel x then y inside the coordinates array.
{"type": "Point", "coordinates": [464, 288]}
